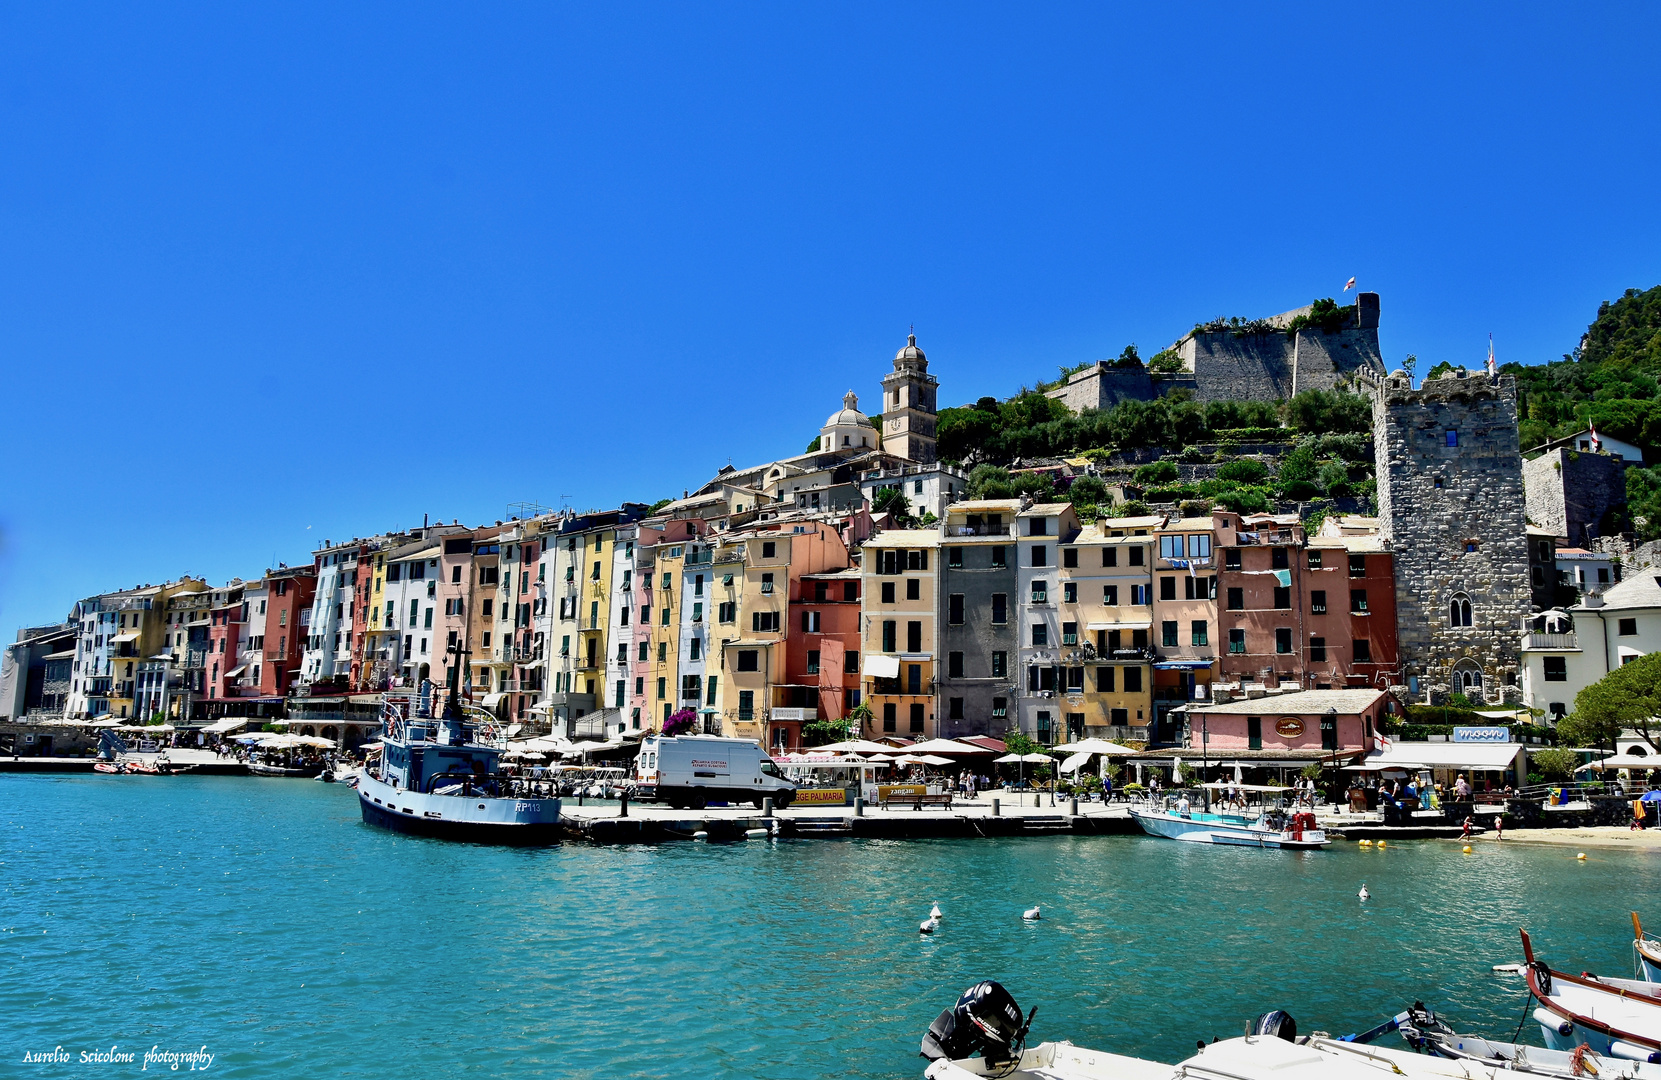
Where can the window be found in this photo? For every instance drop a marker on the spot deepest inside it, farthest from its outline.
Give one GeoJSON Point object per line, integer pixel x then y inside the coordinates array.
{"type": "Point", "coordinates": [1000, 664]}
{"type": "Point", "coordinates": [1603, 575]}
{"type": "Point", "coordinates": [810, 622]}
{"type": "Point", "coordinates": [813, 661]}
{"type": "Point", "coordinates": [1317, 602]}
{"type": "Point", "coordinates": [709, 689]}
{"type": "Point", "coordinates": [954, 707]}
{"type": "Point", "coordinates": [761, 622]}
{"type": "Point", "coordinates": [1627, 627]}
{"type": "Point", "coordinates": [1254, 733]}
{"type": "Point", "coordinates": [1069, 633]}
{"type": "Point", "coordinates": [1199, 547]}
{"type": "Point", "coordinates": [749, 659]}
{"type": "Point", "coordinates": [954, 608]}
{"type": "Point", "coordinates": [695, 649]}
{"type": "Point", "coordinates": [954, 558]}
{"type": "Point", "coordinates": [663, 652]}
{"type": "Point", "coordinates": [914, 678]}
{"type": "Point", "coordinates": [1136, 556]}
{"type": "Point", "coordinates": [914, 637]}
{"type": "Point", "coordinates": [727, 612]}
{"type": "Point", "coordinates": [662, 687]}
{"type": "Point", "coordinates": [1000, 607]}
{"type": "Point", "coordinates": [746, 704]}
{"type": "Point", "coordinates": [1040, 635]}
{"type": "Point", "coordinates": [1358, 601]}
{"type": "Point", "coordinates": [1133, 680]}
{"type": "Point", "coordinates": [1557, 669]}
{"type": "Point", "coordinates": [1110, 556]}
{"type": "Point", "coordinates": [1453, 437]}
{"type": "Point", "coordinates": [1104, 680]}
{"type": "Point", "coordinates": [1167, 588]}
{"type": "Point", "coordinates": [768, 548]}
{"type": "Point", "coordinates": [766, 583]}
{"type": "Point", "coordinates": [916, 718]}
{"type": "Point", "coordinates": [1197, 633]}
{"type": "Point", "coordinates": [1283, 639]}
{"type": "Point", "coordinates": [1237, 641]}
{"type": "Point", "coordinates": [414, 611]}
{"type": "Point", "coordinates": [1170, 547]}
{"type": "Point", "coordinates": [1069, 592]}
{"type": "Point", "coordinates": [1069, 557]}
{"type": "Point", "coordinates": [1329, 733]}
{"type": "Point", "coordinates": [1038, 526]}
{"type": "Point", "coordinates": [888, 714]}
{"type": "Point", "coordinates": [1459, 610]}
{"type": "Point", "coordinates": [954, 665]}
{"type": "Point", "coordinates": [1040, 679]}
{"type": "Point", "coordinates": [1075, 680]}
{"type": "Point", "coordinates": [998, 557]}
{"type": "Point", "coordinates": [1168, 631]}
{"type": "Point", "coordinates": [888, 592]}
{"type": "Point", "coordinates": [1040, 592]}
{"type": "Point", "coordinates": [1283, 598]}
{"type": "Point", "coordinates": [1040, 555]}
{"type": "Point", "coordinates": [1139, 595]}
{"type": "Point", "coordinates": [1317, 649]}
{"type": "Point", "coordinates": [1000, 708]}
{"type": "Point", "coordinates": [850, 591]}
{"type": "Point", "coordinates": [913, 588]}
{"type": "Point", "coordinates": [1110, 595]}
{"type": "Point", "coordinates": [917, 560]}
{"type": "Point", "coordinates": [1362, 651]}
{"type": "Point", "coordinates": [1314, 559]}
{"type": "Point", "coordinates": [1236, 599]}
{"type": "Point", "coordinates": [888, 638]}
{"type": "Point", "coordinates": [1278, 559]}
{"type": "Point", "coordinates": [644, 651]}
{"type": "Point", "coordinates": [1231, 558]}
{"type": "Point", "coordinates": [1358, 566]}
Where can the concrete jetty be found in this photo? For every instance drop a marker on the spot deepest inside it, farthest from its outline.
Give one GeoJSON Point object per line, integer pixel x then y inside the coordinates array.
{"type": "Point", "coordinates": [1024, 815]}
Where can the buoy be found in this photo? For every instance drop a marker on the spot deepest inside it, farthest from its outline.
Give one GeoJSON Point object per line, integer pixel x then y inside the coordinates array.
{"type": "Point", "coordinates": [934, 912]}
{"type": "Point", "coordinates": [1031, 913]}
{"type": "Point", "coordinates": [700, 835]}
{"type": "Point", "coordinates": [1383, 843]}
{"type": "Point", "coordinates": [1364, 893]}
{"type": "Point", "coordinates": [755, 834]}
{"type": "Point", "coordinates": [929, 926]}
{"type": "Point", "coordinates": [1366, 843]}
{"type": "Point", "coordinates": [1467, 849]}
{"type": "Point", "coordinates": [1581, 856]}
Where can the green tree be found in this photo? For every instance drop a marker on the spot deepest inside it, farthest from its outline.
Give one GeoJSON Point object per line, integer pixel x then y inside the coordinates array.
{"type": "Point", "coordinates": [1297, 473]}
{"type": "Point", "coordinates": [1244, 471]}
{"type": "Point", "coordinates": [892, 501]}
{"type": "Point", "coordinates": [1627, 698]}
{"type": "Point", "coordinates": [990, 482]}
{"type": "Point", "coordinates": [1335, 479]}
{"type": "Point", "coordinates": [1017, 742]}
{"type": "Point", "coordinates": [813, 445]}
{"type": "Point", "coordinates": [1554, 763]}
{"type": "Point", "coordinates": [1089, 495]}
{"type": "Point", "coordinates": [1157, 472]}
{"type": "Point", "coordinates": [821, 732]}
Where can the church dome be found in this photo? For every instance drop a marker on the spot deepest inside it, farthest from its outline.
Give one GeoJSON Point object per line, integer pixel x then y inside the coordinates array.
{"type": "Point", "coordinates": [911, 351]}
{"type": "Point", "coordinates": [849, 416]}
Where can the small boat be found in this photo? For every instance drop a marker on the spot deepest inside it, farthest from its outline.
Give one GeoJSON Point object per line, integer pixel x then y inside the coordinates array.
{"type": "Point", "coordinates": [1252, 827]}
{"type": "Point", "coordinates": [1616, 1017]}
{"type": "Point", "coordinates": [302, 771]}
{"type": "Point", "coordinates": [1427, 1033]}
{"type": "Point", "coordinates": [116, 767]}
{"type": "Point", "coordinates": [1648, 951]}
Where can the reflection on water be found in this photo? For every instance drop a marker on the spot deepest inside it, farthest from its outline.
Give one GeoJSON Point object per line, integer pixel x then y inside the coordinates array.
{"type": "Point", "coordinates": [260, 918]}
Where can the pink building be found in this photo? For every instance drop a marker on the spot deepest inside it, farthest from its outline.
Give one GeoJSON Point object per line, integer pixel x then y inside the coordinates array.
{"type": "Point", "coordinates": [1303, 726]}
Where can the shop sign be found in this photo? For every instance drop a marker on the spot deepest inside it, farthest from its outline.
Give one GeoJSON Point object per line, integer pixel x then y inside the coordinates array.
{"type": "Point", "coordinates": [1289, 727]}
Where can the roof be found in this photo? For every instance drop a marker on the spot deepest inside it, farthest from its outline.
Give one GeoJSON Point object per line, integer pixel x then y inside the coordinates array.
{"type": "Point", "coordinates": [1147, 521]}
{"type": "Point", "coordinates": [971, 505]}
{"type": "Point", "coordinates": [1451, 755]}
{"type": "Point", "coordinates": [1046, 509]}
{"type": "Point", "coordinates": [1351, 543]}
{"type": "Point", "coordinates": [850, 573]}
{"type": "Point", "coordinates": [421, 550]}
{"type": "Point", "coordinates": [904, 538]}
{"type": "Point", "coordinates": [1535, 530]}
{"type": "Point", "coordinates": [1637, 591]}
{"type": "Point", "coordinates": [1302, 703]}
{"type": "Point", "coordinates": [1188, 525]}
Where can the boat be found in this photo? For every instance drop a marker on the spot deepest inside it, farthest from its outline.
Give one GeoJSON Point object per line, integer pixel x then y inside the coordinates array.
{"type": "Point", "coordinates": [1428, 1033]}
{"type": "Point", "coordinates": [442, 778]}
{"type": "Point", "coordinates": [301, 771]}
{"type": "Point", "coordinates": [1647, 951]}
{"type": "Point", "coordinates": [1616, 1017]}
{"type": "Point", "coordinates": [986, 1021]}
{"type": "Point", "coordinates": [1252, 827]}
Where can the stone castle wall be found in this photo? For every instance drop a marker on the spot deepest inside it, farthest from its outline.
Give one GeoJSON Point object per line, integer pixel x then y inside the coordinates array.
{"type": "Point", "coordinates": [1269, 367]}
{"type": "Point", "coordinates": [1570, 491]}
{"type": "Point", "coordinates": [1454, 516]}
{"type": "Point", "coordinates": [1104, 386]}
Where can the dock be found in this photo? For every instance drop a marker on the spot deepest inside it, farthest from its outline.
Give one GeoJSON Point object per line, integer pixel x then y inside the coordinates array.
{"type": "Point", "coordinates": [1013, 815]}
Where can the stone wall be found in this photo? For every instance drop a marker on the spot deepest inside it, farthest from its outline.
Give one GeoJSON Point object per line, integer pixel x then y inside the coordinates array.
{"type": "Point", "coordinates": [1272, 366]}
{"type": "Point", "coordinates": [1454, 518]}
{"type": "Point", "coordinates": [1104, 386]}
{"type": "Point", "coordinates": [1570, 491]}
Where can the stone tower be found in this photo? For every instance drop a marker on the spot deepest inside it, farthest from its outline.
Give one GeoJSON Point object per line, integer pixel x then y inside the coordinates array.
{"type": "Point", "coordinates": [908, 406]}
{"type": "Point", "coordinates": [1451, 503]}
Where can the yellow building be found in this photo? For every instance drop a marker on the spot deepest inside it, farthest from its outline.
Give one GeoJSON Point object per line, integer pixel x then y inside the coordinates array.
{"type": "Point", "coordinates": [898, 587]}
{"type": "Point", "coordinates": [1106, 616]}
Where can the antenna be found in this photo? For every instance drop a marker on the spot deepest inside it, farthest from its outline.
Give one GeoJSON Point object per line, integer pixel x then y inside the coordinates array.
{"type": "Point", "coordinates": [527, 510]}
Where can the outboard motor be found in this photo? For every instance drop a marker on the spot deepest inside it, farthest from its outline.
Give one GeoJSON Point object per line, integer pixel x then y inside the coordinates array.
{"type": "Point", "coordinates": [986, 1019]}
{"type": "Point", "coordinates": [1277, 1025]}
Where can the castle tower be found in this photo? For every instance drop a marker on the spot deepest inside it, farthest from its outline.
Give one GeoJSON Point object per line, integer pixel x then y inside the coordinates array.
{"type": "Point", "coordinates": [908, 415]}
{"type": "Point", "coordinates": [1451, 503]}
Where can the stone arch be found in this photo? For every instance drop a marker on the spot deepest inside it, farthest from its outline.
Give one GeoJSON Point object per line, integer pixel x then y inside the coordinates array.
{"type": "Point", "coordinates": [1466, 678]}
{"type": "Point", "coordinates": [1459, 609]}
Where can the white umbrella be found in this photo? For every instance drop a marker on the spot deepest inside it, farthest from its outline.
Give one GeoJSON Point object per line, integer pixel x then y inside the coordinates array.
{"type": "Point", "coordinates": [856, 746]}
{"type": "Point", "coordinates": [1096, 746]}
{"type": "Point", "coordinates": [1011, 759]}
{"type": "Point", "coordinates": [1074, 762]}
{"type": "Point", "coordinates": [1623, 761]}
{"type": "Point", "coordinates": [945, 746]}
{"type": "Point", "coordinates": [1239, 777]}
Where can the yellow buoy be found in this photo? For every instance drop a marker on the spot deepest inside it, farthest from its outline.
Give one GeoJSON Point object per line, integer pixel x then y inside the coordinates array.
{"type": "Point", "coordinates": [1581, 856]}
{"type": "Point", "coordinates": [1467, 849]}
{"type": "Point", "coordinates": [1383, 843]}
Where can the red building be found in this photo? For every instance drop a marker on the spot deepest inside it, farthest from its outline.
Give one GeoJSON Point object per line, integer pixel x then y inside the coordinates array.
{"type": "Point", "coordinates": [821, 676]}
{"type": "Point", "coordinates": [1305, 724]}
{"type": "Point", "coordinates": [225, 631]}
{"type": "Point", "coordinates": [289, 591]}
{"type": "Point", "coordinates": [1317, 613]}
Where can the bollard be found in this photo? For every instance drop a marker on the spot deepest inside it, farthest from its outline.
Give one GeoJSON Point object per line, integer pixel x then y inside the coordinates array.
{"type": "Point", "coordinates": [859, 806]}
{"type": "Point", "coordinates": [580, 796]}
{"type": "Point", "coordinates": [1072, 806]}
{"type": "Point", "coordinates": [623, 804]}
{"type": "Point", "coordinates": [995, 802]}
{"type": "Point", "coordinates": [767, 807]}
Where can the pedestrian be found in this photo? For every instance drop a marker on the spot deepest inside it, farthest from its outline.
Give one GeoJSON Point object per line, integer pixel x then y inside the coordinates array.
{"type": "Point", "coordinates": [1461, 789]}
{"type": "Point", "coordinates": [1499, 826]}
{"type": "Point", "coordinates": [1466, 833]}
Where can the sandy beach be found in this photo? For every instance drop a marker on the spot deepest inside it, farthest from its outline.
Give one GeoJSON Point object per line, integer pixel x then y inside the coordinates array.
{"type": "Point", "coordinates": [1601, 836]}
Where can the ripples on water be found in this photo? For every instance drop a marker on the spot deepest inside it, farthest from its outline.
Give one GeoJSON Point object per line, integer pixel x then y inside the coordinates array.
{"type": "Point", "coordinates": [262, 919]}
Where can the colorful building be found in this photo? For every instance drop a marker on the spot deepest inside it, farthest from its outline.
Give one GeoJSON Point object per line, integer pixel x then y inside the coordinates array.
{"type": "Point", "coordinates": [899, 646]}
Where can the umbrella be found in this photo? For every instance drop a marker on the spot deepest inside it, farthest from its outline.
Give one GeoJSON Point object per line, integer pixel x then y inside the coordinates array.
{"type": "Point", "coordinates": [1096, 746]}
{"type": "Point", "coordinates": [1074, 762]}
{"type": "Point", "coordinates": [1239, 777]}
{"type": "Point", "coordinates": [1623, 761]}
{"type": "Point", "coordinates": [1011, 759]}
{"type": "Point", "coordinates": [856, 746]}
{"type": "Point", "coordinates": [946, 746]}
{"type": "Point", "coordinates": [1650, 796]}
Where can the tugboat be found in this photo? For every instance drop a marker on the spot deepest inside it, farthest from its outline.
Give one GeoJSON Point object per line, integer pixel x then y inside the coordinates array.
{"type": "Point", "coordinates": [440, 777]}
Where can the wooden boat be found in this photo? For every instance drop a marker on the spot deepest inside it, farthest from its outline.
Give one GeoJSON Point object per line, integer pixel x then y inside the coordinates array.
{"type": "Point", "coordinates": [1427, 1033]}
{"type": "Point", "coordinates": [1617, 1017]}
{"type": "Point", "coordinates": [1648, 951]}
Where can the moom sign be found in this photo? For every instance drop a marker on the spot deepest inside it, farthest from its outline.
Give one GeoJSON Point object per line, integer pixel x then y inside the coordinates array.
{"type": "Point", "coordinates": [1482, 734]}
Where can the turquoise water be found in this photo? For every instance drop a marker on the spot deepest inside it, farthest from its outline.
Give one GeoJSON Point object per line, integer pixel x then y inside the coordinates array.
{"type": "Point", "coordinates": [262, 919]}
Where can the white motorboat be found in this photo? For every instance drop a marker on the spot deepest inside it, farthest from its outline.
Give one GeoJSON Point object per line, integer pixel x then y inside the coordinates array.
{"type": "Point", "coordinates": [1616, 1017]}
{"type": "Point", "coordinates": [1648, 952]}
{"type": "Point", "coordinates": [1249, 827]}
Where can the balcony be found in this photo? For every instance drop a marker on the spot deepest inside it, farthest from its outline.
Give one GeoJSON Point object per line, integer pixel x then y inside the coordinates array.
{"type": "Point", "coordinates": [980, 530]}
{"type": "Point", "coordinates": [1569, 642]}
{"type": "Point", "coordinates": [523, 655]}
{"type": "Point", "coordinates": [1265, 538]}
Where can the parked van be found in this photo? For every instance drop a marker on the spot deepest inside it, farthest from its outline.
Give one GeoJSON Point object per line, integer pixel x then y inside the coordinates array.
{"type": "Point", "coordinates": [695, 770]}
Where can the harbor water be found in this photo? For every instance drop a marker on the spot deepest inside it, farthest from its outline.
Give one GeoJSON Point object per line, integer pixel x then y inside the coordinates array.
{"type": "Point", "coordinates": [262, 920]}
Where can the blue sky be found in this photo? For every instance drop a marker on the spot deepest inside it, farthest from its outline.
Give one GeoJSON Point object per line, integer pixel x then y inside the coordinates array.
{"type": "Point", "coordinates": [275, 274]}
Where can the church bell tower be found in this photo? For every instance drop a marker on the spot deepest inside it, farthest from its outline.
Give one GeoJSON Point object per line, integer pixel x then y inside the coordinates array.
{"type": "Point", "coordinates": [908, 406]}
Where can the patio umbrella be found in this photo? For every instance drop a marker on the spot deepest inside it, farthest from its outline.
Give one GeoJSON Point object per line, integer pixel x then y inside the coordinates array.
{"type": "Point", "coordinates": [1096, 746]}
{"type": "Point", "coordinates": [1650, 796]}
{"type": "Point", "coordinates": [856, 746]}
{"type": "Point", "coordinates": [1074, 762]}
{"type": "Point", "coordinates": [945, 746]}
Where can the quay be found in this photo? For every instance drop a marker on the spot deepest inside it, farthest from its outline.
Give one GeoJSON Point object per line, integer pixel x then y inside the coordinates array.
{"type": "Point", "coordinates": [1022, 814]}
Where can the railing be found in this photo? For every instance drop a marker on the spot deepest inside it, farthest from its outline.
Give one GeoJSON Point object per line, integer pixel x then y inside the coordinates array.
{"type": "Point", "coordinates": [966, 530]}
{"type": "Point", "coordinates": [1571, 640]}
{"type": "Point", "coordinates": [1264, 538]}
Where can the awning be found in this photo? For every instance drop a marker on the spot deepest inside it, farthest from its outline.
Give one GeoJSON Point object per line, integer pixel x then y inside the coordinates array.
{"type": "Point", "coordinates": [122, 639]}
{"type": "Point", "coordinates": [882, 666]}
{"type": "Point", "coordinates": [491, 700]}
{"type": "Point", "coordinates": [234, 672]}
{"type": "Point", "coordinates": [1484, 757]}
{"type": "Point", "coordinates": [1118, 626]}
{"type": "Point", "coordinates": [221, 727]}
{"type": "Point", "coordinates": [1183, 665]}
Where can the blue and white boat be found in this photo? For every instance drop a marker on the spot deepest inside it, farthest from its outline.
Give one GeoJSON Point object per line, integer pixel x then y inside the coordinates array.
{"type": "Point", "coordinates": [440, 777]}
{"type": "Point", "coordinates": [1249, 827]}
{"type": "Point", "coordinates": [1648, 951]}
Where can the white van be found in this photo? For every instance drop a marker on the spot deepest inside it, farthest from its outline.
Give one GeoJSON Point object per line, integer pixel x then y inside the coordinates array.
{"type": "Point", "coordinates": [695, 770]}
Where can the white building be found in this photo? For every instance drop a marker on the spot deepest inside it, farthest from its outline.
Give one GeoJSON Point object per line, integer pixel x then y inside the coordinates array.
{"type": "Point", "coordinates": [929, 488]}
{"type": "Point", "coordinates": [1582, 441]}
{"type": "Point", "coordinates": [1565, 652]}
{"type": "Point", "coordinates": [329, 634]}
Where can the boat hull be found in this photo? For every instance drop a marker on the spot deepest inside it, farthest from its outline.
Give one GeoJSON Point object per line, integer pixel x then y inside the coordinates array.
{"type": "Point", "coordinates": [1211, 829]}
{"type": "Point", "coordinates": [258, 768]}
{"type": "Point", "coordinates": [1649, 959]}
{"type": "Point", "coordinates": [453, 817]}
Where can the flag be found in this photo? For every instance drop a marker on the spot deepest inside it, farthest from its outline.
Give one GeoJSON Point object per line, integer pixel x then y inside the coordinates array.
{"type": "Point", "coordinates": [1597, 443]}
{"type": "Point", "coordinates": [1350, 284]}
{"type": "Point", "coordinates": [1384, 742]}
{"type": "Point", "coordinates": [1492, 370]}
{"type": "Point", "coordinates": [1284, 577]}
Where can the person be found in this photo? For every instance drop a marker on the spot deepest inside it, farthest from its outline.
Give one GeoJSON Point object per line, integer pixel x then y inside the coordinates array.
{"type": "Point", "coordinates": [1461, 789]}
{"type": "Point", "coordinates": [1499, 826]}
{"type": "Point", "coordinates": [1465, 834]}
{"type": "Point", "coordinates": [1107, 789]}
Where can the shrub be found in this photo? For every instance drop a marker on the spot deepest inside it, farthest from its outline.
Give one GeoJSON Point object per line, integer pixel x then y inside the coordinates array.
{"type": "Point", "coordinates": [680, 723]}
{"type": "Point", "coordinates": [1555, 763]}
{"type": "Point", "coordinates": [1157, 472]}
{"type": "Point", "coordinates": [1194, 507]}
{"type": "Point", "coordinates": [1244, 472]}
{"type": "Point", "coordinates": [1246, 500]}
